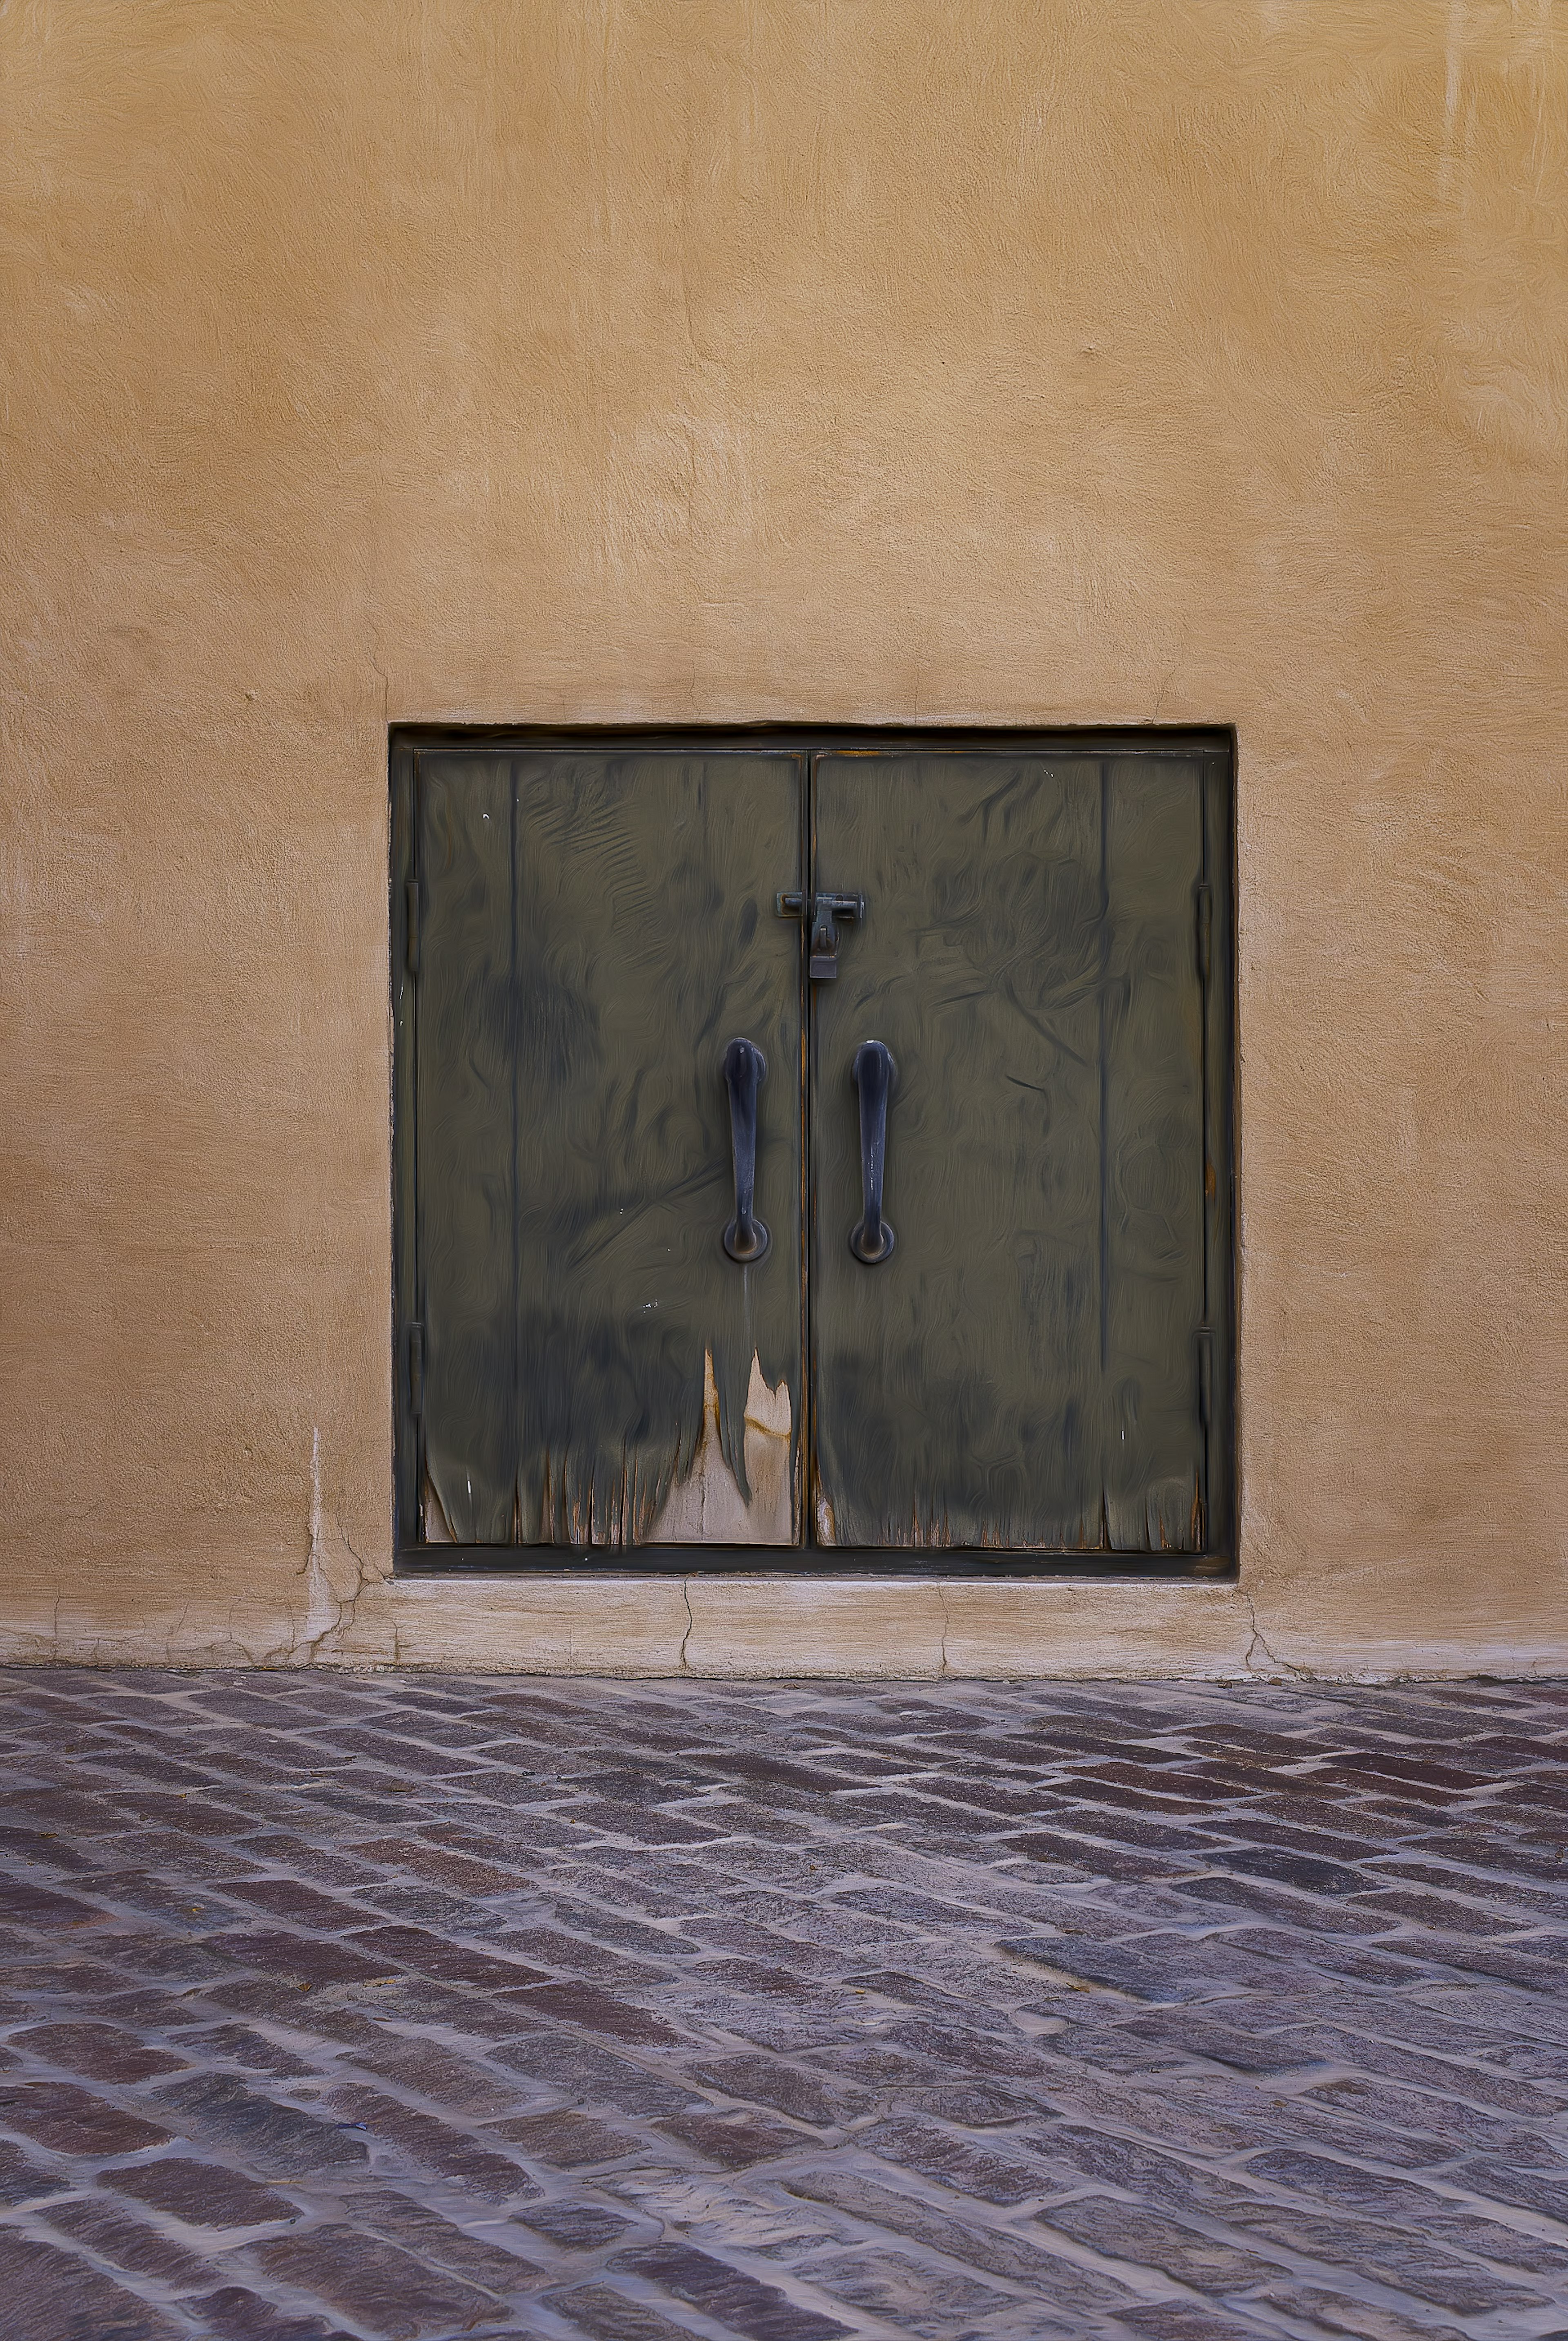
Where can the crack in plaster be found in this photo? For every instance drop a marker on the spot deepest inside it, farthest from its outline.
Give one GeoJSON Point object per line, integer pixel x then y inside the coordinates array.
{"type": "Point", "coordinates": [380, 673]}
{"type": "Point", "coordinates": [1284, 1669]}
{"type": "Point", "coordinates": [329, 1613]}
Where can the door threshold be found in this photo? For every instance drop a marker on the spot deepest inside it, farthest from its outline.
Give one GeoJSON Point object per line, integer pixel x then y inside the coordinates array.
{"type": "Point", "coordinates": [759, 1560]}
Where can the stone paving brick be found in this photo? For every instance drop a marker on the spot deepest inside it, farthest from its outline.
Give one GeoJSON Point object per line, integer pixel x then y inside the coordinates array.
{"type": "Point", "coordinates": [432, 1955]}
{"type": "Point", "coordinates": [499, 2260]}
{"type": "Point", "coordinates": [302, 1958]}
{"type": "Point", "coordinates": [1118, 2230]}
{"type": "Point", "coordinates": [21, 2180]}
{"type": "Point", "coordinates": [1180, 2320]}
{"type": "Point", "coordinates": [234, 2314]}
{"type": "Point", "coordinates": [70, 2120]}
{"type": "Point", "coordinates": [961, 2165]}
{"type": "Point", "coordinates": [435, 2144]}
{"type": "Point", "coordinates": [102, 2051]}
{"type": "Point", "coordinates": [1368, 2320]}
{"type": "Point", "coordinates": [203, 2194]}
{"type": "Point", "coordinates": [377, 2285]}
{"type": "Point", "coordinates": [1386, 2256]}
{"type": "Point", "coordinates": [734, 2142]}
{"type": "Point", "coordinates": [960, 2234]}
{"type": "Point", "coordinates": [575, 2228]}
{"type": "Point", "coordinates": [598, 2011]}
{"type": "Point", "coordinates": [236, 2044]}
{"type": "Point", "coordinates": [336, 2008]}
{"type": "Point", "coordinates": [437, 2074]}
{"type": "Point", "coordinates": [916, 2296]}
{"type": "Point", "coordinates": [592, 2074]}
{"type": "Point", "coordinates": [129, 2245]}
{"type": "Point", "coordinates": [610, 2315]}
{"type": "Point", "coordinates": [49, 2292]}
{"type": "Point", "coordinates": [274, 2139]}
{"type": "Point", "coordinates": [566, 2141]}
{"type": "Point", "coordinates": [1529, 2190]}
{"type": "Point", "coordinates": [729, 2295]}
{"type": "Point", "coordinates": [787, 2088]}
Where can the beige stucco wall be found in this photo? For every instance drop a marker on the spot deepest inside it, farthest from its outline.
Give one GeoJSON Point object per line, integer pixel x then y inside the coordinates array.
{"type": "Point", "coordinates": [1025, 361]}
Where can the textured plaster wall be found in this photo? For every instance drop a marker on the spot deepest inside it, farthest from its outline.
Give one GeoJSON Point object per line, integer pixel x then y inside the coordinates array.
{"type": "Point", "coordinates": [1026, 361]}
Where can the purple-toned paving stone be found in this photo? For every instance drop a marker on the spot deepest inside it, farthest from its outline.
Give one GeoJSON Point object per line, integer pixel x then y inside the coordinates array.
{"type": "Point", "coordinates": [401, 2007]}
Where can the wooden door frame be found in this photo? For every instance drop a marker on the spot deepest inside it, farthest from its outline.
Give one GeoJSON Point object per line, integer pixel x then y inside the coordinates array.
{"type": "Point", "coordinates": [1215, 748]}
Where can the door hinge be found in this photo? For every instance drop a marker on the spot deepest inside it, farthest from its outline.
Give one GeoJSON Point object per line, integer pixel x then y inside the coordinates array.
{"type": "Point", "coordinates": [1206, 1375]}
{"type": "Point", "coordinates": [1205, 930]}
{"type": "Point", "coordinates": [416, 1370]}
{"type": "Point", "coordinates": [410, 897]}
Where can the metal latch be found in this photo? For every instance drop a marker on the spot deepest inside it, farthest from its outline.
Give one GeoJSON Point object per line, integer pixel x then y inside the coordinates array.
{"type": "Point", "coordinates": [822, 910]}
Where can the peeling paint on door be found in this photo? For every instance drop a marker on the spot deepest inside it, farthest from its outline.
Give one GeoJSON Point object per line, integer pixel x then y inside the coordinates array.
{"type": "Point", "coordinates": [708, 1505]}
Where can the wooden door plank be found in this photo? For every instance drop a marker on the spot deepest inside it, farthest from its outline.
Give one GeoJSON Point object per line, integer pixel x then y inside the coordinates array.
{"type": "Point", "coordinates": [465, 1144]}
{"type": "Point", "coordinates": [1153, 1186]}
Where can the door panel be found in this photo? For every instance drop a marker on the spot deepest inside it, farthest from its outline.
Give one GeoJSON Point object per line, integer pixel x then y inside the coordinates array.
{"type": "Point", "coordinates": [1021, 1371]}
{"type": "Point", "coordinates": [593, 928]}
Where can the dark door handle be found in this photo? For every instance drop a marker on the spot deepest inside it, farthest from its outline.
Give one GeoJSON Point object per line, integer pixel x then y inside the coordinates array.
{"type": "Point", "coordinates": [876, 1074]}
{"type": "Point", "coordinates": [745, 1070]}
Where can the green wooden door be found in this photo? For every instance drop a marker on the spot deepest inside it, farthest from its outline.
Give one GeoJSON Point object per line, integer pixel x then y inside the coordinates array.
{"type": "Point", "coordinates": [1035, 1363]}
{"type": "Point", "coordinates": [1023, 1372]}
{"type": "Point", "coordinates": [589, 930]}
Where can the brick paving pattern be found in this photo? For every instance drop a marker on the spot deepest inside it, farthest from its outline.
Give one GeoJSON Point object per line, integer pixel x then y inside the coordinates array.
{"type": "Point", "coordinates": [410, 2007]}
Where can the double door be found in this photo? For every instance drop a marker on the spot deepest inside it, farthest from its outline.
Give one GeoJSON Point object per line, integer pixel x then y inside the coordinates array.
{"type": "Point", "coordinates": [813, 1143]}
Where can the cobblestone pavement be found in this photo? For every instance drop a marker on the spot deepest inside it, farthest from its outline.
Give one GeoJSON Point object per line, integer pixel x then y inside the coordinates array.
{"type": "Point", "coordinates": [399, 2005]}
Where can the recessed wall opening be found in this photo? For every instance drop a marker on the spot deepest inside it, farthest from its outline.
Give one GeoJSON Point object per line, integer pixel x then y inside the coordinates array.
{"type": "Point", "coordinates": [814, 1151]}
